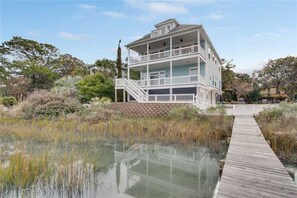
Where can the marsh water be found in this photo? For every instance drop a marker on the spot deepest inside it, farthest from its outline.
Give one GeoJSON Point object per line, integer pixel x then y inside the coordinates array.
{"type": "Point", "coordinates": [137, 170]}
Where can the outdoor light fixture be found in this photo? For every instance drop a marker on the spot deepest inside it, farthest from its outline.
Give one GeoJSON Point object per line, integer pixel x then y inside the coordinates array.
{"type": "Point", "coordinates": [181, 40]}
{"type": "Point", "coordinates": [164, 44]}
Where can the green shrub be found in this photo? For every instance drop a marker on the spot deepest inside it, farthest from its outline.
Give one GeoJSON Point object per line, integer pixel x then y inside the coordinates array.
{"type": "Point", "coordinates": [66, 86]}
{"type": "Point", "coordinates": [8, 101]}
{"type": "Point", "coordinates": [96, 85]}
{"type": "Point", "coordinates": [44, 104]}
{"type": "Point", "coordinates": [288, 108]}
{"type": "Point", "coordinates": [269, 115]}
{"type": "Point", "coordinates": [97, 110]}
{"type": "Point", "coordinates": [105, 100]}
{"type": "Point", "coordinates": [184, 112]}
{"type": "Point", "coordinates": [219, 109]}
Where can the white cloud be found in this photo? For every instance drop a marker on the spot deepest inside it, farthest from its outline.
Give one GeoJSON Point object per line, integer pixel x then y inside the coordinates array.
{"type": "Point", "coordinates": [164, 7]}
{"type": "Point", "coordinates": [217, 16]}
{"type": "Point", "coordinates": [117, 15]}
{"type": "Point", "coordinates": [33, 34]}
{"type": "Point", "coordinates": [70, 36]}
{"type": "Point", "coordinates": [146, 17]}
{"type": "Point", "coordinates": [195, 1]}
{"type": "Point", "coordinates": [267, 35]}
{"type": "Point", "coordinates": [87, 6]}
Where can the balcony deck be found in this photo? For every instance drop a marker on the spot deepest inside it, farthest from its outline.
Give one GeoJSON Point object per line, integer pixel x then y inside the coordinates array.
{"type": "Point", "coordinates": [180, 52]}
{"type": "Point", "coordinates": [172, 81]}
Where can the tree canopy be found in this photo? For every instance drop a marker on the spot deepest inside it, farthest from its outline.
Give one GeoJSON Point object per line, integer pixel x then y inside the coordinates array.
{"type": "Point", "coordinates": [106, 67]}
{"type": "Point", "coordinates": [280, 73]}
{"type": "Point", "coordinates": [42, 63]}
{"type": "Point", "coordinates": [228, 75]}
{"type": "Point", "coordinates": [119, 60]}
{"type": "Point", "coordinates": [20, 49]}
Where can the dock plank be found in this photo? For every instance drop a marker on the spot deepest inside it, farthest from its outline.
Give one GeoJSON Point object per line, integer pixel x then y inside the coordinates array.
{"type": "Point", "coordinates": [251, 168]}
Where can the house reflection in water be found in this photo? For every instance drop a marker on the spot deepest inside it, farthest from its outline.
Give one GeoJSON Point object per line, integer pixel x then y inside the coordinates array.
{"type": "Point", "coordinates": [158, 171]}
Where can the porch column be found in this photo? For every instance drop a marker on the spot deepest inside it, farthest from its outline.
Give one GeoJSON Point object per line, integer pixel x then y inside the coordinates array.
{"type": "Point", "coordinates": [170, 72]}
{"type": "Point", "coordinates": [147, 75]}
{"type": "Point", "coordinates": [198, 69]}
{"type": "Point", "coordinates": [170, 46]}
{"type": "Point", "coordinates": [115, 95]}
{"type": "Point", "coordinates": [124, 95]}
{"type": "Point", "coordinates": [128, 97]}
{"type": "Point", "coordinates": [128, 73]}
{"type": "Point", "coordinates": [206, 64]}
{"type": "Point", "coordinates": [198, 39]}
{"type": "Point", "coordinates": [147, 50]}
{"type": "Point", "coordinates": [128, 56]}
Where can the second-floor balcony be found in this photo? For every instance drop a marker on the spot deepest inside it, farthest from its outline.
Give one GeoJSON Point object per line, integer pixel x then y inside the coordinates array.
{"type": "Point", "coordinates": [189, 50]}
{"type": "Point", "coordinates": [168, 81]}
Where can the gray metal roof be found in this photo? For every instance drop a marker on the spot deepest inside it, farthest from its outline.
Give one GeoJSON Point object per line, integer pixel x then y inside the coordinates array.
{"type": "Point", "coordinates": [166, 21]}
{"type": "Point", "coordinates": [176, 29]}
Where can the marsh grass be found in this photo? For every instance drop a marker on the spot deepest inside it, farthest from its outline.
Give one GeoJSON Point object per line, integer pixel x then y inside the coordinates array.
{"type": "Point", "coordinates": [24, 170]}
{"type": "Point", "coordinates": [67, 173]}
{"type": "Point", "coordinates": [279, 126]}
{"type": "Point", "coordinates": [203, 130]}
{"type": "Point", "coordinates": [73, 167]}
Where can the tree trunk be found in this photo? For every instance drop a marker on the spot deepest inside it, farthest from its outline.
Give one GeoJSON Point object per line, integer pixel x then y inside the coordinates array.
{"type": "Point", "coordinates": [277, 88]}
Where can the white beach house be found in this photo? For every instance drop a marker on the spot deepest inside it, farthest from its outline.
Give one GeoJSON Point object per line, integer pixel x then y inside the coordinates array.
{"type": "Point", "coordinates": [177, 63]}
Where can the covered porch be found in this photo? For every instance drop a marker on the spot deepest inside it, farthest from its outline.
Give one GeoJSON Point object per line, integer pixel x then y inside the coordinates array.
{"type": "Point", "coordinates": [170, 47]}
{"type": "Point", "coordinates": [171, 73]}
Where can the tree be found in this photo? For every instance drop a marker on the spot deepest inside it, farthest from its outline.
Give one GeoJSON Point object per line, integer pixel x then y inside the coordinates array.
{"type": "Point", "coordinates": [280, 74]}
{"type": "Point", "coordinates": [97, 85]}
{"type": "Point", "coordinates": [106, 67]}
{"type": "Point", "coordinates": [228, 75]}
{"type": "Point", "coordinates": [40, 62]}
{"type": "Point", "coordinates": [42, 77]}
{"type": "Point", "coordinates": [66, 64]}
{"type": "Point", "coordinates": [240, 88]}
{"type": "Point", "coordinates": [18, 87]}
{"type": "Point", "coordinates": [28, 50]}
{"type": "Point", "coordinates": [252, 96]}
{"type": "Point", "coordinates": [119, 60]}
{"type": "Point", "coordinates": [244, 77]}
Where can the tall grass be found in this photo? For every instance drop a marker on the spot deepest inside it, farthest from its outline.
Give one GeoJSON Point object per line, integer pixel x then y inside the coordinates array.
{"type": "Point", "coordinates": [68, 172]}
{"type": "Point", "coordinates": [205, 130]}
{"type": "Point", "coordinates": [279, 126]}
{"type": "Point", "coordinates": [71, 171]}
{"type": "Point", "coordinates": [23, 171]}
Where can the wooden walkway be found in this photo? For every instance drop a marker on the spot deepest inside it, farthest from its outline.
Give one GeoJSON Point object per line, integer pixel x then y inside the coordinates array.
{"type": "Point", "coordinates": [251, 168]}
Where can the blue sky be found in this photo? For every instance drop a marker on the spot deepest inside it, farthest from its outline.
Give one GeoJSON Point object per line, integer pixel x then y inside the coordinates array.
{"type": "Point", "coordinates": [249, 32]}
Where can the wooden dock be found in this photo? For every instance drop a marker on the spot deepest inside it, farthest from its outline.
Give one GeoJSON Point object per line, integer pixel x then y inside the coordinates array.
{"type": "Point", "coordinates": [251, 168]}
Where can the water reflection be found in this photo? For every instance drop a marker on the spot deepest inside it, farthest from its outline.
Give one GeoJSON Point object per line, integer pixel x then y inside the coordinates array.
{"type": "Point", "coordinates": [151, 171]}
{"type": "Point", "coordinates": [158, 171]}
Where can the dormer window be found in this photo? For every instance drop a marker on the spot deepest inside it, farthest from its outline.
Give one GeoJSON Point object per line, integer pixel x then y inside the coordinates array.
{"type": "Point", "coordinates": [164, 27]}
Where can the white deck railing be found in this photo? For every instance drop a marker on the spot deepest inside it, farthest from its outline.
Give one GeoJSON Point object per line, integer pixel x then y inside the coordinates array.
{"type": "Point", "coordinates": [132, 88]}
{"type": "Point", "coordinates": [138, 93]}
{"type": "Point", "coordinates": [202, 52]}
{"type": "Point", "coordinates": [165, 54]}
{"type": "Point", "coordinates": [174, 98]}
{"type": "Point", "coordinates": [172, 81]}
{"type": "Point", "coordinates": [247, 109]}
